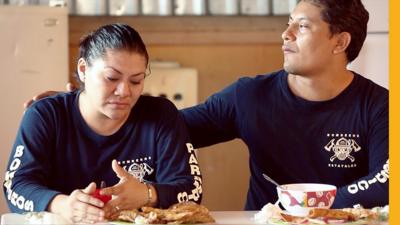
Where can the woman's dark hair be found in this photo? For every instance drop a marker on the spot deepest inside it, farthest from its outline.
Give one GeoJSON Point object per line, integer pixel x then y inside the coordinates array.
{"type": "Point", "coordinates": [110, 37]}
{"type": "Point", "coordinates": [345, 16]}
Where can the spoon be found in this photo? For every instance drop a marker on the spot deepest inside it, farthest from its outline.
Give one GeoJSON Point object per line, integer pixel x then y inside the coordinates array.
{"type": "Point", "coordinates": [271, 180]}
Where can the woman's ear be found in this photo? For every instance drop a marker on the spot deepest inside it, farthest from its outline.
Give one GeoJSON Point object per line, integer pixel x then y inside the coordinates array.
{"type": "Point", "coordinates": [342, 42]}
{"type": "Point", "coordinates": [81, 68]}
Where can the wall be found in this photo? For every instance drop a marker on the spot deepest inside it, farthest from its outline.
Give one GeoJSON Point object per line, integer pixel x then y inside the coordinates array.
{"type": "Point", "coordinates": [373, 60]}
{"type": "Point", "coordinates": [25, 67]}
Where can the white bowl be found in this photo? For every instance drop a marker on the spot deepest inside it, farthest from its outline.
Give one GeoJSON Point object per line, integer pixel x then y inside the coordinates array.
{"type": "Point", "coordinates": [299, 198]}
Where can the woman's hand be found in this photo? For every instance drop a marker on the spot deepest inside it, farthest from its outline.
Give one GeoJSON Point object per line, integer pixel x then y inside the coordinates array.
{"type": "Point", "coordinates": [129, 193]}
{"type": "Point", "coordinates": [79, 206]}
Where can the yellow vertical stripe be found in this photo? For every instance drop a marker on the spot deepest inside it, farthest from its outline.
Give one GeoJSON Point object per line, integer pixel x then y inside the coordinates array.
{"type": "Point", "coordinates": [394, 110]}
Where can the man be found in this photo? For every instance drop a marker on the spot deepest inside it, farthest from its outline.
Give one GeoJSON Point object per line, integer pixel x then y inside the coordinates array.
{"type": "Point", "coordinates": [314, 121]}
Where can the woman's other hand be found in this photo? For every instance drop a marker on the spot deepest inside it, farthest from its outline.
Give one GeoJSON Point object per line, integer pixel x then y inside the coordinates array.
{"type": "Point", "coordinates": [128, 194]}
{"type": "Point", "coordinates": [79, 206]}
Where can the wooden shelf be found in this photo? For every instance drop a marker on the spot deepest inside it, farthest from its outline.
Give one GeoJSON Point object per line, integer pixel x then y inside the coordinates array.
{"type": "Point", "coordinates": [189, 30]}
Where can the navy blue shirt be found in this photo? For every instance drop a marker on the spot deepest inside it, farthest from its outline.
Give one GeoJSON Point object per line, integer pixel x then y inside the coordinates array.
{"type": "Point", "coordinates": [342, 141]}
{"type": "Point", "coordinates": [57, 152]}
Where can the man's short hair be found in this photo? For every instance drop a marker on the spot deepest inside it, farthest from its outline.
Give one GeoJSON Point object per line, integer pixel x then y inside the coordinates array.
{"type": "Point", "coordinates": [345, 16]}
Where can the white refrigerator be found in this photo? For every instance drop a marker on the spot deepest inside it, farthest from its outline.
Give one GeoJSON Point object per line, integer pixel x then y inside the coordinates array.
{"type": "Point", "coordinates": [33, 58]}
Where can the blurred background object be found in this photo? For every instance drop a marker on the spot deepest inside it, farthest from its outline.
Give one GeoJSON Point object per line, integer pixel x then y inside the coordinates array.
{"type": "Point", "coordinates": [23, 2]}
{"type": "Point", "coordinates": [170, 80]}
{"type": "Point", "coordinates": [157, 7]}
{"type": "Point", "coordinates": [255, 7]}
{"type": "Point", "coordinates": [91, 7]}
{"type": "Point", "coordinates": [54, 3]}
{"type": "Point", "coordinates": [51, 3]}
{"type": "Point", "coordinates": [283, 7]}
{"type": "Point", "coordinates": [167, 7]}
{"type": "Point", "coordinates": [223, 7]}
{"type": "Point", "coordinates": [123, 7]}
{"type": "Point", "coordinates": [190, 7]}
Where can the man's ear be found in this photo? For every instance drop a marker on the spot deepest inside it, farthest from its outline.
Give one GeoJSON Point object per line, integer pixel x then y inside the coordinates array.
{"type": "Point", "coordinates": [342, 42]}
{"type": "Point", "coordinates": [81, 68]}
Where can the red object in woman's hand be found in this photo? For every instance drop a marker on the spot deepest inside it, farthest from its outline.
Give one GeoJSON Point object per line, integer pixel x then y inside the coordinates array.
{"type": "Point", "coordinates": [103, 198]}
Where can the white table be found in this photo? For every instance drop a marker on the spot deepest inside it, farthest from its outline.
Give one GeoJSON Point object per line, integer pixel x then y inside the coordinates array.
{"type": "Point", "coordinates": [234, 217]}
{"type": "Point", "coordinates": [221, 217]}
{"type": "Point", "coordinates": [246, 218]}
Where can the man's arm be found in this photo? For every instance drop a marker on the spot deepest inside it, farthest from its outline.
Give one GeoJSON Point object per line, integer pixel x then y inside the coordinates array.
{"type": "Point", "coordinates": [373, 189]}
{"type": "Point", "coordinates": [369, 191]}
{"type": "Point", "coordinates": [213, 121]}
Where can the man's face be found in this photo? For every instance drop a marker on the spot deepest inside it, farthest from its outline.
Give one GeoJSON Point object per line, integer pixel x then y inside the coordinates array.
{"type": "Point", "coordinates": [114, 83]}
{"type": "Point", "coordinates": [307, 42]}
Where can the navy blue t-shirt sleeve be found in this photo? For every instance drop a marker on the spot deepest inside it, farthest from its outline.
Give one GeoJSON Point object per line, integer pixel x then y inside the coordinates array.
{"type": "Point", "coordinates": [178, 176]}
{"type": "Point", "coordinates": [213, 121]}
{"type": "Point", "coordinates": [373, 189]}
{"type": "Point", "coordinates": [28, 167]}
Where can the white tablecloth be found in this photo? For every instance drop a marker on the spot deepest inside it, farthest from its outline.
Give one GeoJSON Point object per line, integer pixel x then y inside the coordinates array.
{"type": "Point", "coordinates": [221, 217]}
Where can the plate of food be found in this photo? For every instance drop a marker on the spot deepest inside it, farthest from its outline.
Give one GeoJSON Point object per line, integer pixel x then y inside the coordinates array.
{"type": "Point", "coordinates": [180, 213]}
{"type": "Point", "coordinates": [272, 214]}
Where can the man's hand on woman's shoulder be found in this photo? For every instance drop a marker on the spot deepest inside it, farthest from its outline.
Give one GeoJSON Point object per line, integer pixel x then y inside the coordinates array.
{"type": "Point", "coordinates": [70, 87]}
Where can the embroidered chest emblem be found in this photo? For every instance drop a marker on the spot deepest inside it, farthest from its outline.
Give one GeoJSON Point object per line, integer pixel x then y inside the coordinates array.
{"type": "Point", "coordinates": [342, 148]}
{"type": "Point", "coordinates": [140, 170]}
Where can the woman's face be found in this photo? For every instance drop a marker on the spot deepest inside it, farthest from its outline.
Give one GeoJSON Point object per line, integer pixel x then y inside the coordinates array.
{"type": "Point", "coordinates": [113, 84]}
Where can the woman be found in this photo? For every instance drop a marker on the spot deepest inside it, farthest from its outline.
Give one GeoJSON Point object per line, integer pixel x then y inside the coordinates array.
{"type": "Point", "coordinates": [67, 143]}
